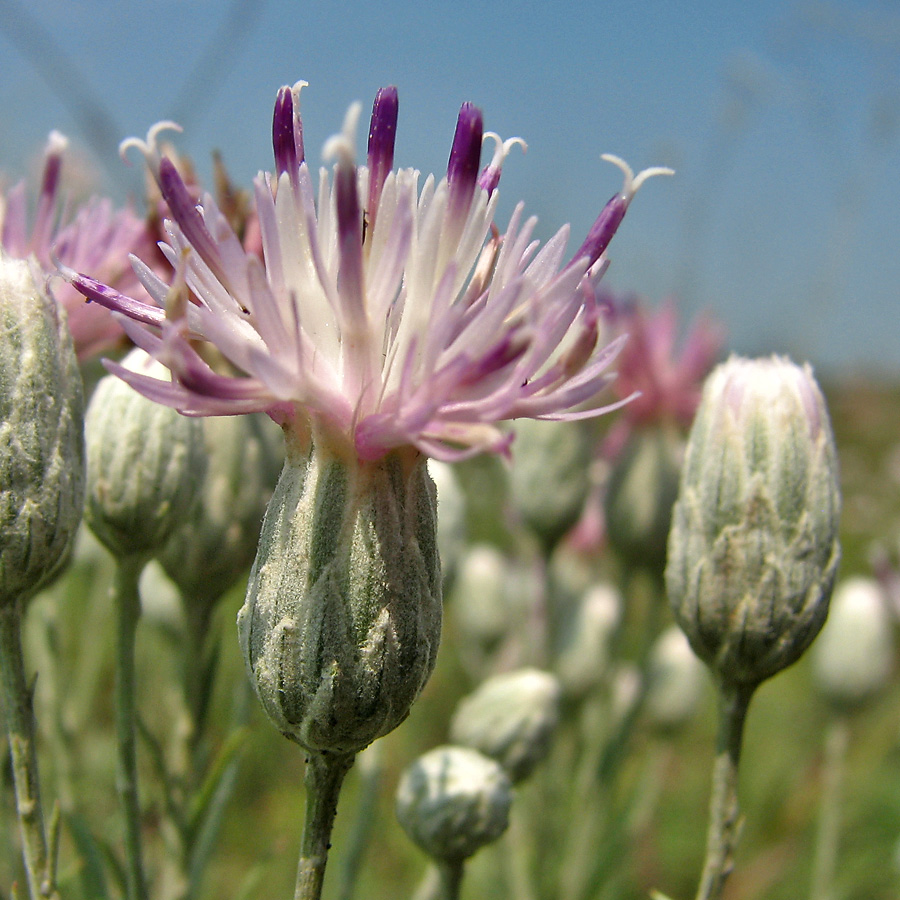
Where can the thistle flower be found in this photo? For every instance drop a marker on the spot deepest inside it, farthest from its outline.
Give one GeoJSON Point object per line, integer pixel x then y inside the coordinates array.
{"type": "Point", "coordinates": [384, 324]}
{"type": "Point", "coordinates": [665, 379]}
{"type": "Point", "coordinates": [96, 238]}
{"type": "Point", "coordinates": [383, 315]}
{"type": "Point", "coordinates": [670, 381]}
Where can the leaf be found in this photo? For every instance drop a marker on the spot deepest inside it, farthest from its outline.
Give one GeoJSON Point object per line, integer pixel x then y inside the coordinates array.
{"type": "Point", "coordinates": [91, 856]}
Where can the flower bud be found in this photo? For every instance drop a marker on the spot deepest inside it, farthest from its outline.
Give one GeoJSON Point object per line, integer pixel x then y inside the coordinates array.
{"type": "Point", "coordinates": [510, 718]}
{"type": "Point", "coordinates": [480, 595]}
{"type": "Point", "coordinates": [753, 548]}
{"type": "Point", "coordinates": [549, 478]}
{"type": "Point", "coordinates": [675, 680]}
{"type": "Point", "coordinates": [451, 536]}
{"type": "Point", "coordinates": [144, 463]}
{"type": "Point", "coordinates": [641, 491]}
{"type": "Point", "coordinates": [342, 620]}
{"type": "Point", "coordinates": [41, 435]}
{"type": "Point", "coordinates": [584, 656]}
{"type": "Point", "coordinates": [452, 801]}
{"type": "Point", "coordinates": [216, 542]}
{"type": "Point", "coordinates": [854, 654]}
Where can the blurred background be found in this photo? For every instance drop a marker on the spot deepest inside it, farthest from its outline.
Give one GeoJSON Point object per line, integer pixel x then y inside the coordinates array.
{"type": "Point", "coordinates": [781, 119]}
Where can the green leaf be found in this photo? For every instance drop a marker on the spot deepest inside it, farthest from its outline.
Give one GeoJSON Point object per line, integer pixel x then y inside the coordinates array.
{"type": "Point", "coordinates": [91, 855]}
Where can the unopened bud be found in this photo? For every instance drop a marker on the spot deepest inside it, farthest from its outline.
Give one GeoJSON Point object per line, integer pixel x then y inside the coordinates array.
{"type": "Point", "coordinates": [584, 655]}
{"type": "Point", "coordinates": [642, 489]}
{"type": "Point", "coordinates": [342, 620]}
{"type": "Point", "coordinates": [216, 541]}
{"type": "Point", "coordinates": [549, 478]}
{"type": "Point", "coordinates": [480, 595]}
{"type": "Point", "coordinates": [511, 718]}
{"type": "Point", "coordinates": [854, 653]}
{"type": "Point", "coordinates": [452, 801]}
{"type": "Point", "coordinates": [144, 463]}
{"type": "Point", "coordinates": [41, 434]}
{"type": "Point", "coordinates": [451, 534]}
{"type": "Point", "coordinates": [675, 680]}
{"type": "Point", "coordinates": [753, 548]}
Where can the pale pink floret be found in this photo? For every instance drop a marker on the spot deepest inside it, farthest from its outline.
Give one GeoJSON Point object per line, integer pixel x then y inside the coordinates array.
{"type": "Point", "coordinates": [666, 374]}
{"type": "Point", "coordinates": [96, 239]}
{"type": "Point", "coordinates": [407, 322]}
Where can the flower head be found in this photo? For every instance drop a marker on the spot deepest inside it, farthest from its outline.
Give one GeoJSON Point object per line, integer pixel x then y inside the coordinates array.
{"type": "Point", "coordinates": [385, 313]}
{"type": "Point", "coordinates": [667, 381]}
{"type": "Point", "coordinates": [96, 238]}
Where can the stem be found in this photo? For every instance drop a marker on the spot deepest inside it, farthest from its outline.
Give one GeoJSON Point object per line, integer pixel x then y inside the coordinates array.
{"type": "Point", "coordinates": [451, 872]}
{"type": "Point", "coordinates": [324, 776]}
{"type": "Point", "coordinates": [828, 834]}
{"type": "Point", "coordinates": [17, 705]}
{"type": "Point", "coordinates": [724, 813]}
{"type": "Point", "coordinates": [126, 601]}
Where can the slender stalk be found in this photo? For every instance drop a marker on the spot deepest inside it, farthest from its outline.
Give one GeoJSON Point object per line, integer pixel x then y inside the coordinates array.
{"type": "Point", "coordinates": [828, 834]}
{"type": "Point", "coordinates": [126, 601]}
{"type": "Point", "coordinates": [39, 865]}
{"type": "Point", "coordinates": [724, 812]}
{"type": "Point", "coordinates": [324, 776]}
{"type": "Point", "coordinates": [451, 872]}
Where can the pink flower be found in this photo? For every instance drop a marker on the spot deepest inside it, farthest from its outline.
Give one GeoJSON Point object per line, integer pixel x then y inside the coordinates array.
{"type": "Point", "coordinates": [384, 313]}
{"type": "Point", "coordinates": [96, 239]}
{"type": "Point", "coordinates": [666, 377]}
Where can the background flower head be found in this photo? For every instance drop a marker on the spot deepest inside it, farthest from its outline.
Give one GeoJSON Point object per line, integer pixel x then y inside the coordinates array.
{"type": "Point", "coordinates": [91, 236]}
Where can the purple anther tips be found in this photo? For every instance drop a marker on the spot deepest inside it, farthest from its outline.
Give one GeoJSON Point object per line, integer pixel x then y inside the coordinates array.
{"type": "Point", "coordinates": [283, 131]}
{"type": "Point", "coordinates": [52, 169]}
{"type": "Point", "coordinates": [287, 134]}
{"type": "Point", "coordinates": [465, 155]}
{"type": "Point", "coordinates": [382, 133]}
{"type": "Point", "coordinates": [189, 219]}
{"type": "Point", "coordinates": [603, 229]}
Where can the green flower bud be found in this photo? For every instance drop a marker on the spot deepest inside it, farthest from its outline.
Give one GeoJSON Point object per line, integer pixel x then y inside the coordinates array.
{"type": "Point", "coordinates": [641, 491]}
{"type": "Point", "coordinates": [854, 654]}
{"type": "Point", "coordinates": [675, 681]}
{"type": "Point", "coordinates": [144, 463]}
{"type": "Point", "coordinates": [753, 548]}
{"type": "Point", "coordinates": [452, 801]}
{"type": "Point", "coordinates": [510, 718]}
{"type": "Point", "coordinates": [160, 599]}
{"type": "Point", "coordinates": [451, 534]}
{"type": "Point", "coordinates": [479, 598]}
{"type": "Point", "coordinates": [342, 620]}
{"type": "Point", "coordinates": [216, 542]}
{"type": "Point", "coordinates": [41, 434]}
{"type": "Point", "coordinates": [549, 478]}
{"type": "Point", "coordinates": [584, 655]}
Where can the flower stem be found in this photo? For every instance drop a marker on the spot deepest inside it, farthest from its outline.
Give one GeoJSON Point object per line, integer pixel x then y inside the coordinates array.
{"type": "Point", "coordinates": [451, 872]}
{"type": "Point", "coordinates": [724, 812]}
{"type": "Point", "coordinates": [126, 601]}
{"type": "Point", "coordinates": [324, 776]}
{"type": "Point", "coordinates": [828, 834]}
{"type": "Point", "coordinates": [39, 866]}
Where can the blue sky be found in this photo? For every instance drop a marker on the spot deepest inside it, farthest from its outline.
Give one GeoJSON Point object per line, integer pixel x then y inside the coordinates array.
{"type": "Point", "coordinates": [782, 120]}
